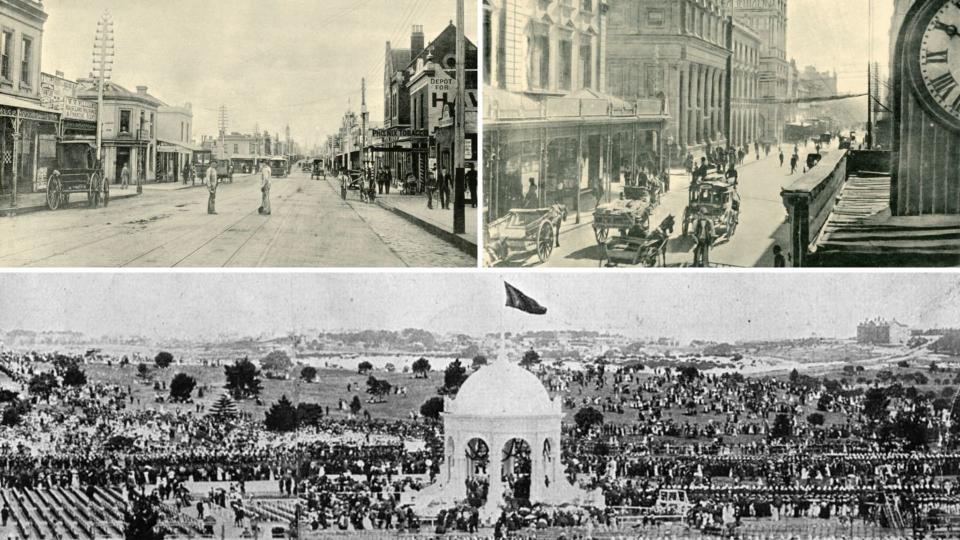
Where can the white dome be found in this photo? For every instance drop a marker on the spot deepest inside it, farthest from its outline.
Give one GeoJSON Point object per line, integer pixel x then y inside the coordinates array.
{"type": "Point", "coordinates": [503, 389]}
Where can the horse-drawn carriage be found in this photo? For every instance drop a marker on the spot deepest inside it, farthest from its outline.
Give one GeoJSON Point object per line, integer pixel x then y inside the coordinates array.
{"type": "Point", "coordinates": [76, 170]}
{"type": "Point", "coordinates": [631, 211]}
{"type": "Point", "coordinates": [718, 201]}
{"type": "Point", "coordinates": [524, 231]}
{"type": "Point", "coordinates": [638, 246]}
{"type": "Point", "coordinates": [316, 169]}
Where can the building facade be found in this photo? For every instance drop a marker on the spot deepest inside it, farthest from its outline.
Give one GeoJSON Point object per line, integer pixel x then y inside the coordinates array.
{"type": "Point", "coordinates": [778, 77]}
{"type": "Point", "coordinates": [678, 50]}
{"type": "Point", "coordinates": [548, 122]}
{"type": "Point", "coordinates": [128, 129]}
{"type": "Point", "coordinates": [174, 140]}
{"type": "Point", "coordinates": [882, 332]}
{"type": "Point", "coordinates": [244, 150]}
{"type": "Point", "coordinates": [28, 130]}
{"type": "Point", "coordinates": [744, 85]}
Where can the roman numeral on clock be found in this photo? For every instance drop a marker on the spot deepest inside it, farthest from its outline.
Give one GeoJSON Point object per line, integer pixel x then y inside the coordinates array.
{"type": "Point", "coordinates": [936, 57]}
{"type": "Point", "coordinates": [943, 85]}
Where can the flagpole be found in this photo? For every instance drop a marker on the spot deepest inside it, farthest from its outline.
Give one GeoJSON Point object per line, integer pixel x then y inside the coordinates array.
{"type": "Point", "coordinates": [502, 355]}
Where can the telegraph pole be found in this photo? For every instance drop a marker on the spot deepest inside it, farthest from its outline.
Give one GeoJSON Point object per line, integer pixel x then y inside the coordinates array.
{"type": "Point", "coordinates": [363, 125]}
{"type": "Point", "coordinates": [459, 204]}
{"type": "Point", "coordinates": [103, 53]}
{"type": "Point", "coordinates": [223, 121]}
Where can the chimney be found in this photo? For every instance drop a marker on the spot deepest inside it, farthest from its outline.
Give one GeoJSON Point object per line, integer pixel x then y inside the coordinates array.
{"type": "Point", "coordinates": [416, 40]}
{"type": "Point", "coordinates": [141, 89]}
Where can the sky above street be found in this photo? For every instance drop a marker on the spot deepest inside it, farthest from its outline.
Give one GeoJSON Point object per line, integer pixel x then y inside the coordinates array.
{"type": "Point", "coordinates": [724, 307]}
{"type": "Point", "coordinates": [273, 63]}
{"type": "Point", "coordinates": [834, 34]}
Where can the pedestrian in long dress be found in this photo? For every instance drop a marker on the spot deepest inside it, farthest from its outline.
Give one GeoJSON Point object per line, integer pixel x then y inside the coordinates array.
{"type": "Point", "coordinates": [265, 176]}
{"type": "Point", "coordinates": [212, 188]}
{"type": "Point", "coordinates": [124, 176]}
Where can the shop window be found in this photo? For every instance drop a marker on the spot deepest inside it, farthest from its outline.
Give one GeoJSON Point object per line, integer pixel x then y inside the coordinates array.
{"type": "Point", "coordinates": [6, 44]}
{"type": "Point", "coordinates": [655, 17]}
{"type": "Point", "coordinates": [586, 5]}
{"type": "Point", "coordinates": [27, 51]}
{"type": "Point", "coordinates": [124, 121]}
{"type": "Point", "coordinates": [236, 148]}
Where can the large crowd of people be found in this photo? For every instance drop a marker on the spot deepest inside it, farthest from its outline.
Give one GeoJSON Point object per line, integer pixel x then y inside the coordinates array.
{"type": "Point", "coordinates": [711, 436]}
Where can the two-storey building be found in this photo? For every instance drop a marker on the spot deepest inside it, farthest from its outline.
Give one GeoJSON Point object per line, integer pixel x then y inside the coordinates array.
{"type": "Point", "coordinates": [174, 140]}
{"type": "Point", "coordinates": [128, 129]}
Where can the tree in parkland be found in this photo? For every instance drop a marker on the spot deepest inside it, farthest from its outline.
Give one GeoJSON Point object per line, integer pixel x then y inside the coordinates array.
{"type": "Point", "coordinates": [453, 377]}
{"type": "Point", "coordinates": [782, 427]}
{"type": "Point", "coordinates": [689, 373]}
{"type": "Point", "coordinates": [224, 409]}
{"type": "Point", "coordinates": [875, 405]}
{"type": "Point", "coordinates": [243, 379]}
{"type": "Point", "coordinates": [478, 361]}
{"type": "Point", "coordinates": [309, 414]}
{"type": "Point", "coordinates": [421, 368]}
{"type": "Point", "coordinates": [181, 386]}
{"type": "Point", "coordinates": [140, 520]}
{"type": "Point", "coordinates": [282, 416]}
{"type": "Point", "coordinates": [432, 408]}
{"type": "Point", "coordinates": [355, 406]}
{"type": "Point", "coordinates": [42, 384]}
{"type": "Point", "coordinates": [815, 419]}
{"type": "Point", "coordinates": [14, 412]}
{"type": "Point", "coordinates": [389, 368]}
{"type": "Point", "coordinates": [586, 418]}
{"type": "Point", "coordinates": [378, 387]}
{"type": "Point", "coordinates": [277, 362]}
{"type": "Point", "coordinates": [143, 370]}
{"type": "Point", "coordinates": [74, 376]}
{"type": "Point", "coordinates": [163, 359]}
{"type": "Point", "coordinates": [530, 359]}
{"type": "Point", "coordinates": [364, 367]}
{"type": "Point", "coordinates": [308, 373]}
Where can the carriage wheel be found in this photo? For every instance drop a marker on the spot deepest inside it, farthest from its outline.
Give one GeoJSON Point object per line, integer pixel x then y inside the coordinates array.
{"type": "Point", "coordinates": [105, 188]}
{"type": "Point", "coordinates": [54, 195]}
{"type": "Point", "coordinates": [601, 233]}
{"type": "Point", "coordinates": [545, 242]}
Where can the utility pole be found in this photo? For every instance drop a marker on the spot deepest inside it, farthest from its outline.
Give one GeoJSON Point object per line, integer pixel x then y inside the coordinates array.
{"type": "Point", "coordinates": [459, 204]}
{"type": "Point", "coordinates": [103, 54]}
{"type": "Point", "coordinates": [869, 137]}
{"type": "Point", "coordinates": [363, 125]}
{"type": "Point", "coordinates": [223, 122]}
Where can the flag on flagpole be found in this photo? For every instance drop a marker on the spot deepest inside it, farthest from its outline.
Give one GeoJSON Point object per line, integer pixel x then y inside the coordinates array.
{"type": "Point", "coordinates": [518, 300]}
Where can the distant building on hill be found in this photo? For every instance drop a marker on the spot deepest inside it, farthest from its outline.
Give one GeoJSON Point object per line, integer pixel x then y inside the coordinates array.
{"type": "Point", "coordinates": [881, 332]}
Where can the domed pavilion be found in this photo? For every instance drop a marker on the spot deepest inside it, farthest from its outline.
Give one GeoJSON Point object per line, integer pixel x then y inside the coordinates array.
{"type": "Point", "coordinates": [501, 430]}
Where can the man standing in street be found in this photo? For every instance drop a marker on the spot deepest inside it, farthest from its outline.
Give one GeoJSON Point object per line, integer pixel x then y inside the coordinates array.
{"type": "Point", "coordinates": [444, 189]}
{"type": "Point", "coordinates": [781, 157]}
{"type": "Point", "coordinates": [265, 176]}
{"type": "Point", "coordinates": [125, 176]}
{"type": "Point", "coordinates": [703, 233]}
{"type": "Point", "coordinates": [212, 187]}
{"type": "Point", "coordinates": [472, 184]}
{"type": "Point", "coordinates": [793, 162]}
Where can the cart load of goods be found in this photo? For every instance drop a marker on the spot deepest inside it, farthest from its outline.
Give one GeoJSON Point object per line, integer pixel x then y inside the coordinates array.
{"type": "Point", "coordinates": [621, 214]}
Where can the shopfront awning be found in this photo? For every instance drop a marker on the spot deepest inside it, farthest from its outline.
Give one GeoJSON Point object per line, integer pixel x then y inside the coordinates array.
{"type": "Point", "coordinates": [175, 147]}
{"type": "Point", "coordinates": [13, 107]}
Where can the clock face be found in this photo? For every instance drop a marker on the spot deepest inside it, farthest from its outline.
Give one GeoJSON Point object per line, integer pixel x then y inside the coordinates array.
{"type": "Point", "coordinates": [939, 57]}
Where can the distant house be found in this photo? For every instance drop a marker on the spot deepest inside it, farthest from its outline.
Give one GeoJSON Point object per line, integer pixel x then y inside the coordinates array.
{"type": "Point", "coordinates": [882, 332]}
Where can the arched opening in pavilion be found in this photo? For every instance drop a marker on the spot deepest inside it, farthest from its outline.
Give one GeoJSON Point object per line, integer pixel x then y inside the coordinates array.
{"type": "Point", "coordinates": [477, 478]}
{"type": "Point", "coordinates": [515, 471]}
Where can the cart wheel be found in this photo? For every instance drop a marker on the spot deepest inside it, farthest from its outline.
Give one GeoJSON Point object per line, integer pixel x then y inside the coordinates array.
{"type": "Point", "coordinates": [545, 242]}
{"type": "Point", "coordinates": [104, 189]}
{"type": "Point", "coordinates": [601, 233]}
{"type": "Point", "coordinates": [54, 196]}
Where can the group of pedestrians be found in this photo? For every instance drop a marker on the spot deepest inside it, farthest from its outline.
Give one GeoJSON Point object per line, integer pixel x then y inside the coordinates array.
{"type": "Point", "coordinates": [213, 181]}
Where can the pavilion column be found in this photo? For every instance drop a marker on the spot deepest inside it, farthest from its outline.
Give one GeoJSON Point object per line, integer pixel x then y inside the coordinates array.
{"type": "Point", "coordinates": [536, 470]}
{"type": "Point", "coordinates": [495, 470]}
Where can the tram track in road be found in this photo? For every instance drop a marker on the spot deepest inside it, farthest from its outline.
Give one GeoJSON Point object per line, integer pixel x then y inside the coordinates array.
{"type": "Point", "coordinates": [368, 225]}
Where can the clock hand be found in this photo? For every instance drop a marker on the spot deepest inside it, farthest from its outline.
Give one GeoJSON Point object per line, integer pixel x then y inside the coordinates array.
{"type": "Point", "coordinates": [950, 29]}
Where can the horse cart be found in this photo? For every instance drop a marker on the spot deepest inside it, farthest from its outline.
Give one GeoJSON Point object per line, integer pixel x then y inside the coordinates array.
{"type": "Point", "coordinates": [718, 201]}
{"type": "Point", "coordinates": [632, 210]}
{"type": "Point", "coordinates": [524, 231]}
{"type": "Point", "coordinates": [639, 247]}
{"type": "Point", "coordinates": [76, 170]}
